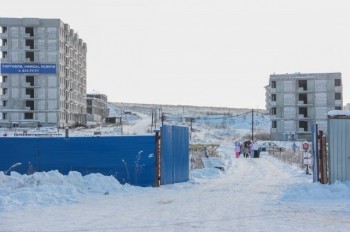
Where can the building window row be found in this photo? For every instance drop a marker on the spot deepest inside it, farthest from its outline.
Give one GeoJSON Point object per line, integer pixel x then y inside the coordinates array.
{"type": "Point", "coordinates": [303, 84]}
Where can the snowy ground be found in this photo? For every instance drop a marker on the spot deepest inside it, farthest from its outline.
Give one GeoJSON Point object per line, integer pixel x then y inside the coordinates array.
{"type": "Point", "coordinates": [250, 195]}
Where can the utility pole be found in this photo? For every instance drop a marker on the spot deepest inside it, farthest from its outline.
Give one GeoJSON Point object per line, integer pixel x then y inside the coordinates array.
{"type": "Point", "coordinates": [152, 121]}
{"type": "Point", "coordinates": [155, 119]}
{"type": "Point", "coordinates": [121, 122]}
{"type": "Point", "coordinates": [252, 125]}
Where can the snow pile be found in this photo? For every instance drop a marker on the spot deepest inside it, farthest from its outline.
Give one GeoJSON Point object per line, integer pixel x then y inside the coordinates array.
{"type": "Point", "coordinates": [51, 188]}
{"type": "Point", "coordinates": [339, 191]}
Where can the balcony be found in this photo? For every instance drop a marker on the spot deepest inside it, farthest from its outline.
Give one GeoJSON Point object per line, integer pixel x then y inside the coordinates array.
{"type": "Point", "coordinates": [3, 35]}
{"type": "Point", "coordinates": [338, 89]}
{"type": "Point", "coordinates": [28, 96]}
{"type": "Point", "coordinates": [29, 85]}
{"type": "Point", "coordinates": [4, 85]}
{"type": "Point", "coordinates": [338, 103]}
{"type": "Point", "coordinates": [31, 48]}
{"type": "Point", "coordinates": [4, 60]}
{"type": "Point", "coordinates": [4, 96]}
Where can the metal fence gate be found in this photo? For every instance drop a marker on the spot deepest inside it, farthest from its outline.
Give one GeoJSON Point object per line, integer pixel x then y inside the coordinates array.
{"type": "Point", "coordinates": [174, 154]}
{"type": "Point", "coordinates": [130, 159]}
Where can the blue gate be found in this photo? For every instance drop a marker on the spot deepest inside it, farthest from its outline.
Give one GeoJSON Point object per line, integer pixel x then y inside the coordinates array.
{"type": "Point", "coordinates": [174, 154]}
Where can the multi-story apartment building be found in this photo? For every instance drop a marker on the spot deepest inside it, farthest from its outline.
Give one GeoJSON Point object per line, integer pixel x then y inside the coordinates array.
{"type": "Point", "coordinates": [296, 101]}
{"type": "Point", "coordinates": [97, 109]}
{"type": "Point", "coordinates": [43, 73]}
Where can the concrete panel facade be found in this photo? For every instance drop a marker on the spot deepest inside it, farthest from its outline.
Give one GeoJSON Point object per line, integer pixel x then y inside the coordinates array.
{"type": "Point", "coordinates": [50, 86]}
{"type": "Point", "coordinates": [304, 99]}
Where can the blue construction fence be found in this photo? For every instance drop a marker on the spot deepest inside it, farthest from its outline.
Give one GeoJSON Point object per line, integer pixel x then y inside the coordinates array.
{"type": "Point", "coordinates": [130, 159]}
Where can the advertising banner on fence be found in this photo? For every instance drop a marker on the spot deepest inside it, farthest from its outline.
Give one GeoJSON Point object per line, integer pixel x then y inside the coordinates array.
{"type": "Point", "coordinates": [6, 68]}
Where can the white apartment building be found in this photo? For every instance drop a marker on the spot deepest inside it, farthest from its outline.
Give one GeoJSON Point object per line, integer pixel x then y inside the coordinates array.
{"type": "Point", "coordinates": [43, 73]}
{"type": "Point", "coordinates": [296, 101]}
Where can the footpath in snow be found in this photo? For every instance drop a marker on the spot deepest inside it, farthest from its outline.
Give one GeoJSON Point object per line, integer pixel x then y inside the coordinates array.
{"type": "Point", "coordinates": [251, 195]}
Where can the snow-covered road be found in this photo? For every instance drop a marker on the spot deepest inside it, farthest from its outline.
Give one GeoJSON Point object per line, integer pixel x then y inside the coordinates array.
{"type": "Point", "coordinates": [252, 195]}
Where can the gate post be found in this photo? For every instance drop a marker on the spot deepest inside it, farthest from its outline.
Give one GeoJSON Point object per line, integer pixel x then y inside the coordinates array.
{"type": "Point", "coordinates": [158, 157]}
{"type": "Point", "coordinates": [324, 175]}
{"type": "Point", "coordinates": [320, 165]}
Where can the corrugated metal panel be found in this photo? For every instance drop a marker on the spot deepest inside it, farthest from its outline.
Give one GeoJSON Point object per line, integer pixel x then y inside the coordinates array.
{"type": "Point", "coordinates": [167, 157]}
{"type": "Point", "coordinates": [339, 149]}
{"type": "Point", "coordinates": [174, 154]}
{"type": "Point", "coordinates": [130, 159]}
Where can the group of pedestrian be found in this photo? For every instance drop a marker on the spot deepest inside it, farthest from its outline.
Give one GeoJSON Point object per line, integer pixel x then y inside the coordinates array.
{"type": "Point", "coordinates": [247, 149]}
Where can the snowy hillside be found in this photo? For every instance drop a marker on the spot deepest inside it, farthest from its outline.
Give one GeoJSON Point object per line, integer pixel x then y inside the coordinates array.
{"type": "Point", "coordinates": [208, 124]}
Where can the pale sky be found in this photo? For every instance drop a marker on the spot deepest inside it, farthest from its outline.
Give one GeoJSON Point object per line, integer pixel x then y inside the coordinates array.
{"type": "Point", "coordinates": [200, 52]}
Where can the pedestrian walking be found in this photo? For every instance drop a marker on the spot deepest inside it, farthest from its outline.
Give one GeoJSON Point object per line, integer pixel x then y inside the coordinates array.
{"type": "Point", "coordinates": [237, 149]}
{"type": "Point", "coordinates": [246, 149]}
{"type": "Point", "coordinates": [251, 150]}
{"type": "Point", "coordinates": [256, 149]}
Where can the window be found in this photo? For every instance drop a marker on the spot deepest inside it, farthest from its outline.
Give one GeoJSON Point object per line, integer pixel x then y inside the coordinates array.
{"type": "Point", "coordinates": [337, 82]}
{"type": "Point", "coordinates": [303, 111]}
{"type": "Point", "coordinates": [28, 115]}
{"type": "Point", "coordinates": [303, 125]}
{"type": "Point", "coordinates": [4, 115]}
{"type": "Point", "coordinates": [29, 56]}
{"type": "Point", "coordinates": [4, 42]}
{"type": "Point", "coordinates": [302, 84]}
{"type": "Point", "coordinates": [303, 98]}
{"type": "Point", "coordinates": [4, 91]}
{"type": "Point", "coordinates": [274, 124]}
{"type": "Point", "coordinates": [4, 79]}
{"type": "Point", "coordinates": [4, 54]}
{"type": "Point", "coordinates": [30, 31]}
{"type": "Point", "coordinates": [30, 80]}
{"type": "Point", "coordinates": [338, 108]}
{"type": "Point", "coordinates": [30, 105]}
{"type": "Point", "coordinates": [337, 96]}
{"type": "Point", "coordinates": [30, 92]}
{"type": "Point", "coordinates": [273, 84]}
{"type": "Point", "coordinates": [273, 111]}
{"type": "Point", "coordinates": [3, 29]}
{"type": "Point", "coordinates": [273, 97]}
{"type": "Point", "coordinates": [30, 43]}
{"type": "Point", "coordinates": [4, 103]}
